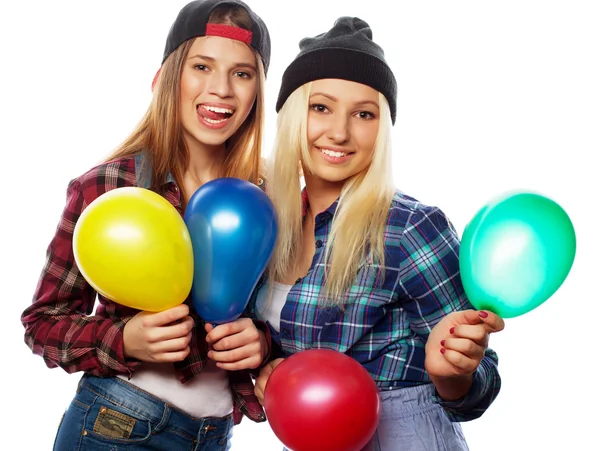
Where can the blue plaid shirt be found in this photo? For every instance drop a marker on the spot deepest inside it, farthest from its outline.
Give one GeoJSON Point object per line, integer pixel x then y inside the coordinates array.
{"type": "Point", "coordinates": [391, 309]}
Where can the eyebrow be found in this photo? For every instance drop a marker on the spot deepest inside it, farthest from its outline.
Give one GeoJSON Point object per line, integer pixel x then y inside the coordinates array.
{"type": "Point", "coordinates": [330, 97]}
{"type": "Point", "coordinates": [211, 59]}
{"type": "Point", "coordinates": [335, 99]}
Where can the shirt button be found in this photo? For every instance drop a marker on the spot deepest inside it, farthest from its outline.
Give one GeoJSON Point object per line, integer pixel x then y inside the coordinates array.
{"type": "Point", "coordinates": [319, 243]}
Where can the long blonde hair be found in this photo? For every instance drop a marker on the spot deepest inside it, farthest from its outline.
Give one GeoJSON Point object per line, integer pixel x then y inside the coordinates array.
{"type": "Point", "coordinates": [160, 130]}
{"type": "Point", "coordinates": [359, 222]}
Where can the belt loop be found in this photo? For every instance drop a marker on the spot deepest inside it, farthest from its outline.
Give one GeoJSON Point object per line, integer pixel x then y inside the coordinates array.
{"type": "Point", "coordinates": [80, 383]}
{"type": "Point", "coordinates": [165, 418]}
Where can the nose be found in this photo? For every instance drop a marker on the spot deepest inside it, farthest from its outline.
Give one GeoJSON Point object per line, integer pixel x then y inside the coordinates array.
{"type": "Point", "coordinates": [339, 129]}
{"type": "Point", "coordinates": [220, 84]}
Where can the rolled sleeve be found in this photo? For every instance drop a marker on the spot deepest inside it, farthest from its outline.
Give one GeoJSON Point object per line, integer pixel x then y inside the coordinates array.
{"type": "Point", "coordinates": [483, 391]}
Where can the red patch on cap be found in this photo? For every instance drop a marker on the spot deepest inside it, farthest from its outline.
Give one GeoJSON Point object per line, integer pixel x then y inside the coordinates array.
{"type": "Point", "coordinates": [229, 31]}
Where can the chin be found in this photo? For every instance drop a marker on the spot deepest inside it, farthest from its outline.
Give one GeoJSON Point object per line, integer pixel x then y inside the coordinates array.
{"type": "Point", "coordinates": [212, 138]}
{"type": "Point", "coordinates": [332, 176]}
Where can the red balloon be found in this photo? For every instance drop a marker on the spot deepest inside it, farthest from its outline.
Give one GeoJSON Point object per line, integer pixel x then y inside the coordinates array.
{"type": "Point", "coordinates": [320, 399]}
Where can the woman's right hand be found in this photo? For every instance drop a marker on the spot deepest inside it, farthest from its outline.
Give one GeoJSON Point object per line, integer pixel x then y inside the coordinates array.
{"type": "Point", "coordinates": [263, 377]}
{"type": "Point", "coordinates": [159, 337]}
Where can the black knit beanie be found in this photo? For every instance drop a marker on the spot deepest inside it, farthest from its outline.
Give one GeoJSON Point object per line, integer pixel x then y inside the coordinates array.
{"type": "Point", "coordinates": [347, 51]}
{"type": "Point", "coordinates": [192, 22]}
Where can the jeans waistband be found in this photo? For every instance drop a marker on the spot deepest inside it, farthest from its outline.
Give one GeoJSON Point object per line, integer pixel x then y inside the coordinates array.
{"type": "Point", "coordinates": [150, 407]}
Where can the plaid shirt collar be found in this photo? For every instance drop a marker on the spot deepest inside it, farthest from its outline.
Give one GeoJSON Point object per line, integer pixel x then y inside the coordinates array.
{"type": "Point", "coordinates": [306, 203]}
{"type": "Point", "coordinates": [143, 171]}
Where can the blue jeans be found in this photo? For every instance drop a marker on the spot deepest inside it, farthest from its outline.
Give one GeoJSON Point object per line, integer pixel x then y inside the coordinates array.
{"type": "Point", "coordinates": [112, 414]}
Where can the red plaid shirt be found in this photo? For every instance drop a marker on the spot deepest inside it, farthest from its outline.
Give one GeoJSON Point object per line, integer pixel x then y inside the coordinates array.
{"type": "Point", "coordinates": [58, 324]}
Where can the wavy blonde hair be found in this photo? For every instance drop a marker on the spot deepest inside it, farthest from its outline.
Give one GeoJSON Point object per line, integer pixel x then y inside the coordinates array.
{"type": "Point", "coordinates": [359, 222]}
{"type": "Point", "coordinates": [160, 131]}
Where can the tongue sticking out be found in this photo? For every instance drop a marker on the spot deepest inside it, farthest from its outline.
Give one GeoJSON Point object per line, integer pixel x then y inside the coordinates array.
{"type": "Point", "coordinates": [203, 112]}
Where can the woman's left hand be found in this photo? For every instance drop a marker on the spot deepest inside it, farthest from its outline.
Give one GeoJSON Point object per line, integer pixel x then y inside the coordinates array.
{"type": "Point", "coordinates": [237, 345]}
{"type": "Point", "coordinates": [456, 345]}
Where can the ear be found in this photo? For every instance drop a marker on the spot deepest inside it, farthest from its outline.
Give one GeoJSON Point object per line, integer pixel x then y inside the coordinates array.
{"type": "Point", "coordinates": [155, 79]}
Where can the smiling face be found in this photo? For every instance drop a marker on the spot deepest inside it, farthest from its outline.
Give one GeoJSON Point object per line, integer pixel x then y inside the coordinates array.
{"type": "Point", "coordinates": [219, 84]}
{"type": "Point", "coordinates": [343, 123]}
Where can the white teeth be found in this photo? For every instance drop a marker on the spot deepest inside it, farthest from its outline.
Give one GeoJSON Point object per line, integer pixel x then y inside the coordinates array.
{"type": "Point", "coordinates": [216, 109]}
{"type": "Point", "coordinates": [213, 121]}
{"type": "Point", "coordinates": [333, 153]}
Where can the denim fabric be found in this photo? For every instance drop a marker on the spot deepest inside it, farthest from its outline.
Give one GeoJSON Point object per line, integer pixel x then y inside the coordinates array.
{"type": "Point", "coordinates": [111, 414]}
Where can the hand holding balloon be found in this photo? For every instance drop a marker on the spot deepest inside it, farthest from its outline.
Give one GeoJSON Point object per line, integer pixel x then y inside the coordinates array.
{"type": "Point", "coordinates": [263, 378]}
{"type": "Point", "coordinates": [515, 253]}
{"type": "Point", "coordinates": [159, 337]}
{"type": "Point", "coordinates": [237, 345]}
{"type": "Point", "coordinates": [455, 348]}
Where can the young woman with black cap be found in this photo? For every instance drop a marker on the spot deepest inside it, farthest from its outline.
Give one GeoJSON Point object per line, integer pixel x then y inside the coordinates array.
{"type": "Point", "coordinates": [361, 267]}
{"type": "Point", "coordinates": [148, 382]}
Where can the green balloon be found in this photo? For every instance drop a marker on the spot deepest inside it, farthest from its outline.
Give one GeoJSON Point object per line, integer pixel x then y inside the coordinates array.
{"type": "Point", "coordinates": [515, 253]}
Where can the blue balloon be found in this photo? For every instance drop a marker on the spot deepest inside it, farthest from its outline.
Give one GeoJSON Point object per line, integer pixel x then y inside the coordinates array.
{"type": "Point", "coordinates": [233, 227]}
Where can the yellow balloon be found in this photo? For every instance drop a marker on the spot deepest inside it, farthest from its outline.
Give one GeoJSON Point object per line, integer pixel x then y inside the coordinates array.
{"type": "Point", "coordinates": [134, 248]}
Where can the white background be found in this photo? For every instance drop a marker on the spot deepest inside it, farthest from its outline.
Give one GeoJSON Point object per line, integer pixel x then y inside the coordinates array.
{"type": "Point", "coordinates": [493, 96]}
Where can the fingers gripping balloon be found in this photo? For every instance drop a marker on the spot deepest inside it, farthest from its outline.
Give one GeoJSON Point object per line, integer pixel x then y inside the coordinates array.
{"type": "Point", "coordinates": [515, 253]}
{"type": "Point", "coordinates": [233, 226]}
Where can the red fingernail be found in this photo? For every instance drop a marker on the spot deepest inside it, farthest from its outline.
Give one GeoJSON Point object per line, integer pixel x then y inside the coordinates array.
{"type": "Point", "coordinates": [443, 350]}
{"type": "Point", "coordinates": [483, 314]}
{"type": "Point", "coordinates": [443, 342]}
{"type": "Point", "coordinates": [452, 330]}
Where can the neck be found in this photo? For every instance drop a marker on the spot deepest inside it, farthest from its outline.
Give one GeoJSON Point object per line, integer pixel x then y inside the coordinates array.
{"type": "Point", "coordinates": [321, 193]}
{"type": "Point", "coordinates": [205, 161]}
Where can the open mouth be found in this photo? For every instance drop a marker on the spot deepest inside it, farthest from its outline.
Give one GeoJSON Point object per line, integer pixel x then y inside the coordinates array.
{"type": "Point", "coordinates": [334, 154]}
{"type": "Point", "coordinates": [214, 114]}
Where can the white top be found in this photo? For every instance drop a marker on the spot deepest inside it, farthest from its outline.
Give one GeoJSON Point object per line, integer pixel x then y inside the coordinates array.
{"type": "Point", "coordinates": [206, 395]}
{"type": "Point", "coordinates": [271, 310]}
